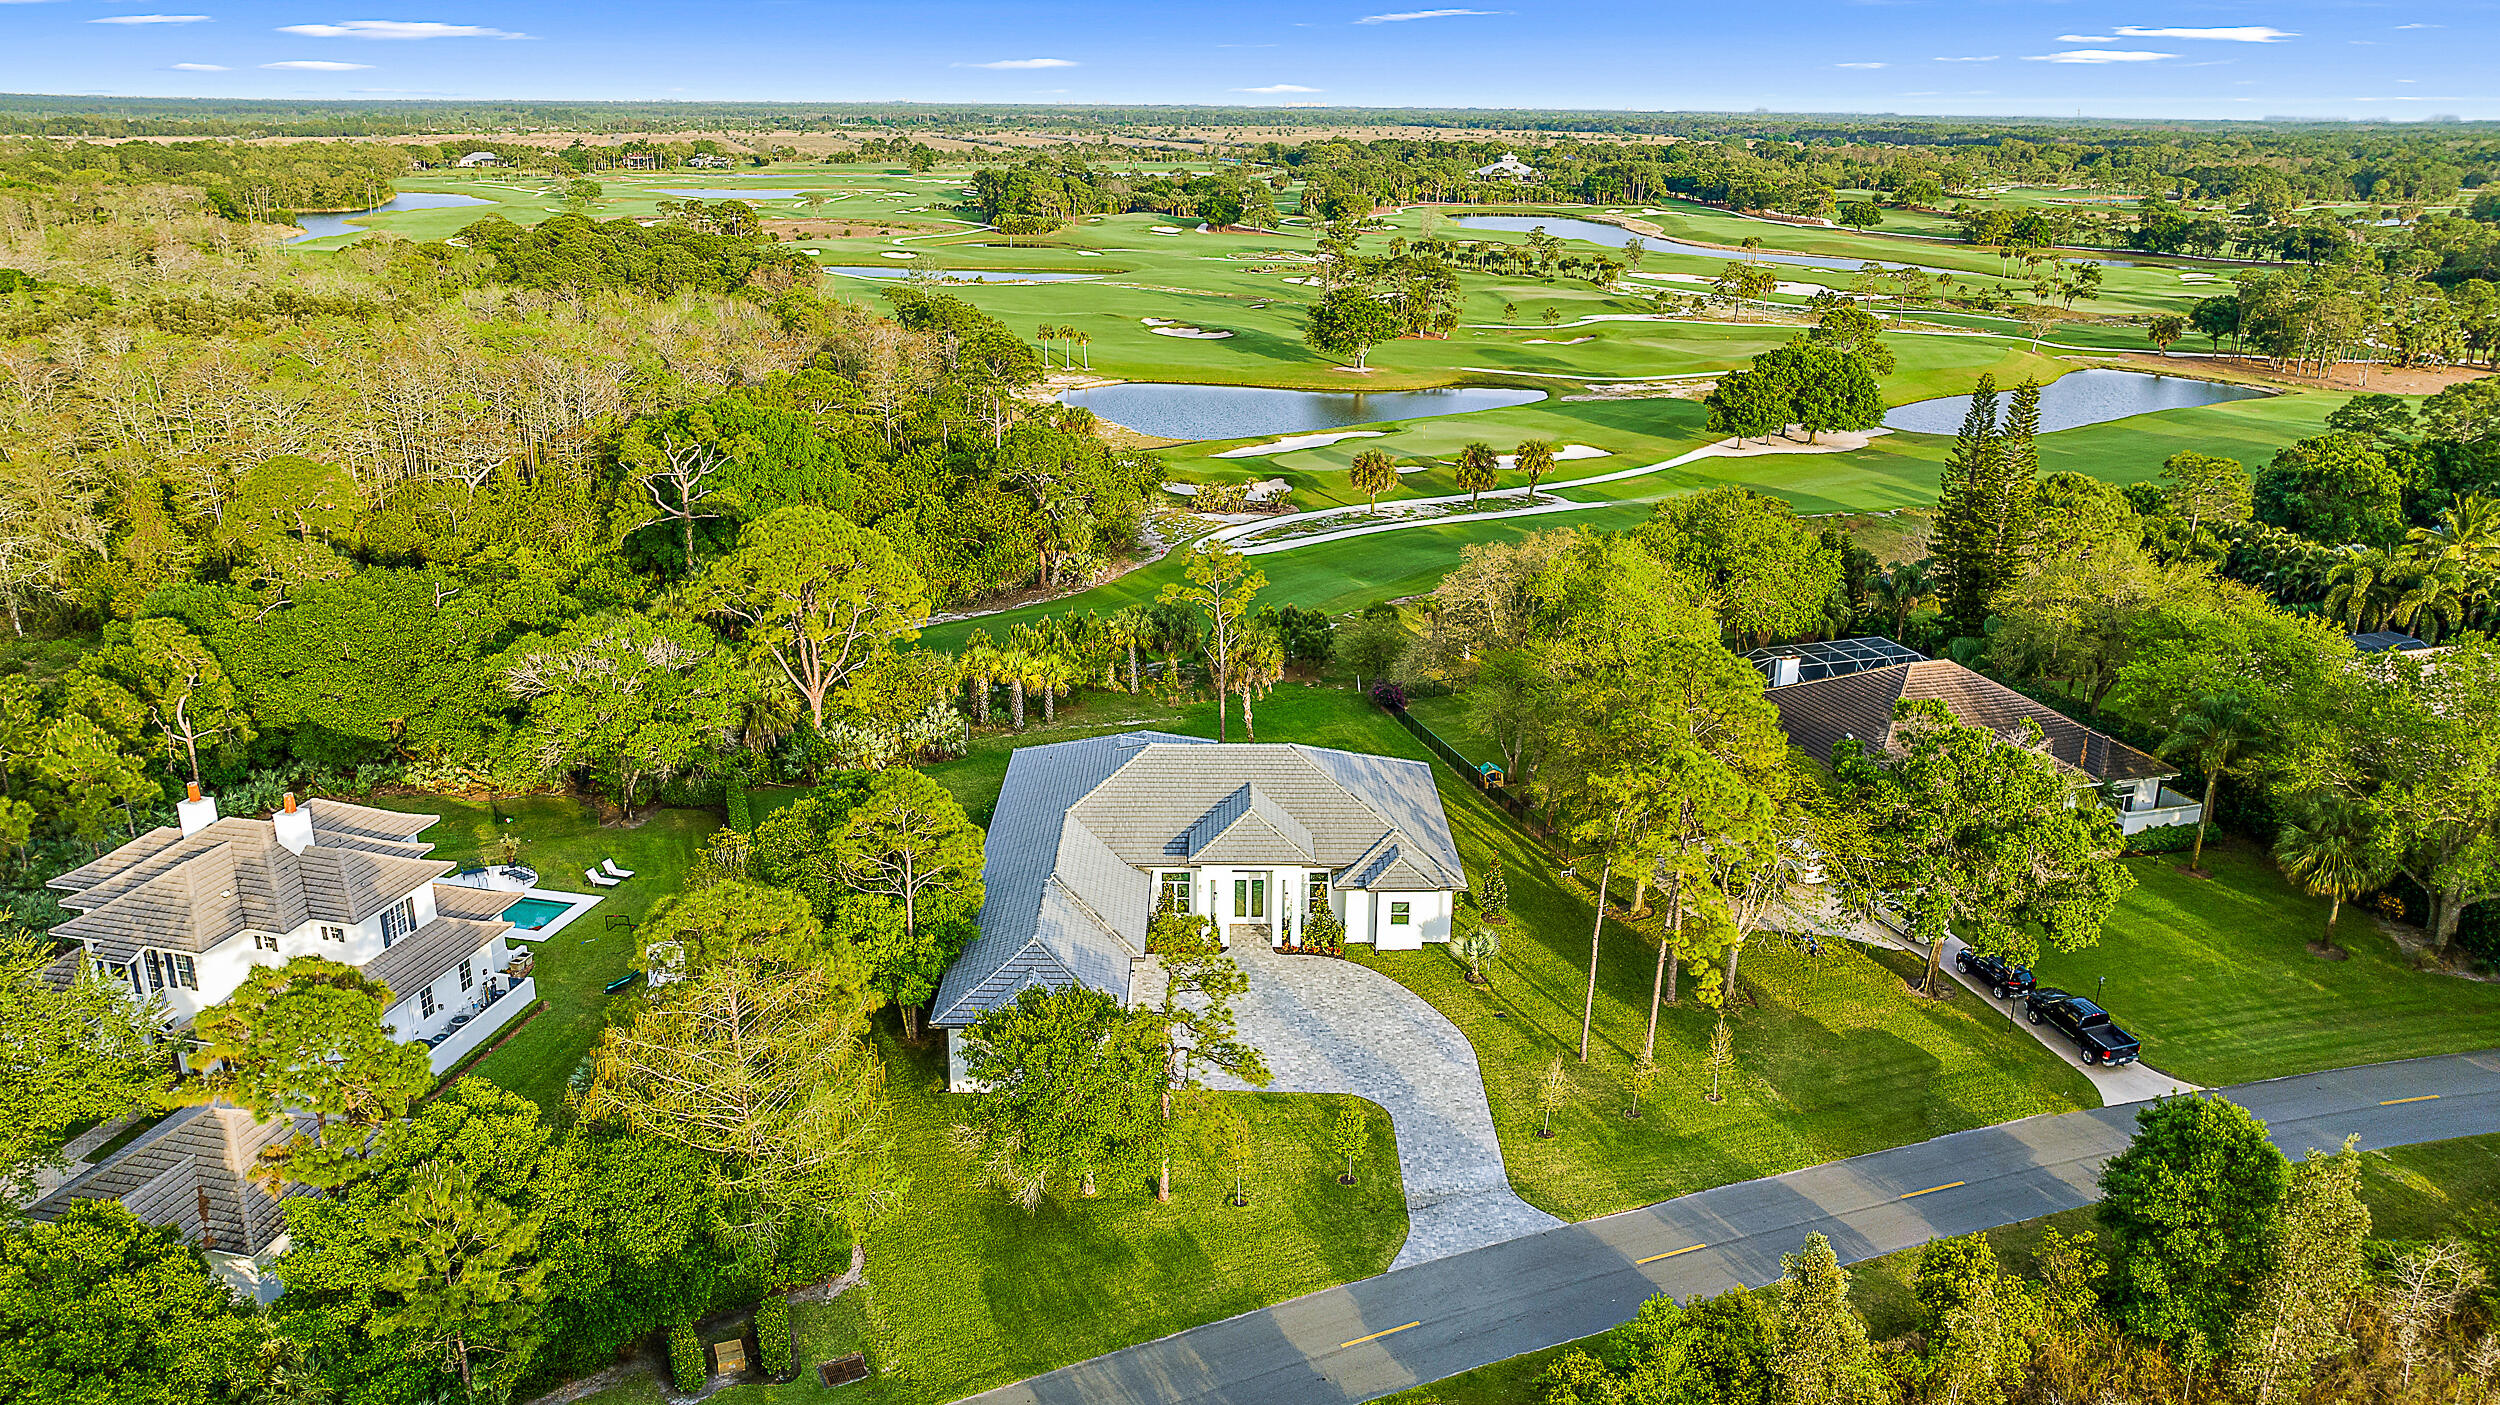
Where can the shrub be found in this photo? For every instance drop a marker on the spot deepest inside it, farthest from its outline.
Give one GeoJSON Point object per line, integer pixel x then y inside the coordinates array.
{"type": "Point", "coordinates": [1324, 931]}
{"type": "Point", "coordinates": [1493, 899]}
{"type": "Point", "coordinates": [1389, 695]}
{"type": "Point", "coordinates": [2162, 839]}
{"type": "Point", "coordinates": [734, 798]}
{"type": "Point", "coordinates": [685, 1359]}
{"type": "Point", "coordinates": [773, 1345]}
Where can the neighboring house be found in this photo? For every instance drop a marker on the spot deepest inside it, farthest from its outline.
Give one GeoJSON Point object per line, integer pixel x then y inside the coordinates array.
{"type": "Point", "coordinates": [640, 161]}
{"type": "Point", "coordinates": [706, 162]}
{"type": "Point", "coordinates": [192, 1172]}
{"type": "Point", "coordinates": [2384, 641]}
{"type": "Point", "coordinates": [1857, 704]}
{"type": "Point", "coordinates": [1090, 837]}
{"type": "Point", "coordinates": [1510, 167]}
{"type": "Point", "coordinates": [184, 912]}
{"type": "Point", "coordinates": [477, 159]}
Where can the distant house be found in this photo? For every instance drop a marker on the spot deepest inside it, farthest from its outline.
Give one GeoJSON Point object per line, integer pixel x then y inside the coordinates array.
{"type": "Point", "coordinates": [1510, 167]}
{"type": "Point", "coordinates": [1852, 699]}
{"type": "Point", "coordinates": [707, 162]}
{"type": "Point", "coordinates": [639, 161]}
{"type": "Point", "coordinates": [481, 158]}
{"type": "Point", "coordinates": [1091, 837]}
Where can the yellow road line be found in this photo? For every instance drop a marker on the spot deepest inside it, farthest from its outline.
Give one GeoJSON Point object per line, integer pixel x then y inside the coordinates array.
{"type": "Point", "coordinates": [1376, 1336]}
{"type": "Point", "coordinates": [1913, 1195]}
{"type": "Point", "coordinates": [1671, 1253]}
{"type": "Point", "coordinates": [2426, 1097]}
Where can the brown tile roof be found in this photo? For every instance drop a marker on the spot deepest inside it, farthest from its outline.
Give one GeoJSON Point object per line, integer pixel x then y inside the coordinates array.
{"type": "Point", "coordinates": [479, 904]}
{"type": "Point", "coordinates": [416, 960]}
{"type": "Point", "coordinates": [189, 892]}
{"type": "Point", "coordinates": [1819, 714]}
{"type": "Point", "coordinates": [193, 1172]}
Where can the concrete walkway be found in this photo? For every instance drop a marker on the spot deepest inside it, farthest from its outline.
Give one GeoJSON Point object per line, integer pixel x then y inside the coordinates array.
{"type": "Point", "coordinates": [1336, 1027]}
{"type": "Point", "coordinates": [1409, 1326]}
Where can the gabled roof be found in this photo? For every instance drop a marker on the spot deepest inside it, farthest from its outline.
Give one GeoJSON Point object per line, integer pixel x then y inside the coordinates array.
{"type": "Point", "coordinates": [416, 960]}
{"type": "Point", "coordinates": [188, 892]}
{"type": "Point", "coordinates": [1817, 715]}
{"type": "Point", "coordinates": [191, 1171]}
{"type": "Point", "coordinates": [1080, 827]}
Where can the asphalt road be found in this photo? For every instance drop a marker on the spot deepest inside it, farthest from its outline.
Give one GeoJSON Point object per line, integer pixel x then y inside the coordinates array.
{"type": "Point", "coordinates": [1418, 1324]}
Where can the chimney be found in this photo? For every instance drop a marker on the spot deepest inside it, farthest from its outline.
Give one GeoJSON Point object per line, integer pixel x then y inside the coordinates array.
{"type": "Point", "coordinates": [294, 826]}
{"type": "Point", "coordinates": [1785, 669]}
{"type": "Point", "coordinates": [196, 813]}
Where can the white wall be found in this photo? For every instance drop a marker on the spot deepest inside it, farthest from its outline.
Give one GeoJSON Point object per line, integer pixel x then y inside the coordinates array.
{"type": "Point", "coordinates": [1428, 919]}
{"type": "Point", "coordinates": [224, 966]}
{"type": "Point", "coordinates": [407, 1019]}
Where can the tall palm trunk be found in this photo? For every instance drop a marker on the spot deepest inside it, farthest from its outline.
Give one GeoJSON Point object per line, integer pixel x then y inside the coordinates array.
{"type": "Point", "coordinates": [1015, 692]}
{"type": "Point", "coordinates": [1132, 667]}
{"type": "Point", "coordinates": [1050, 702]}
{"type": "Point", "coordinates": [1658, 981]}
{"type": "Point", "coordinates": [1249, 726]}
{"type": "Point", "coordinates": [1588, 1003]}
{"type": "Point", "coordinates": [2196, 858]}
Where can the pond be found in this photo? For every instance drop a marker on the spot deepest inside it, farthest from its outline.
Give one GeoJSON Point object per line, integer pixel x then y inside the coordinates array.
{"type": "Point", "coordinates": [1615, 236]}
{"type": "Point", "coordinates": [2079, 398]}
{"type": "Point", "coordinates": [1171, 411]}
{"type": "Point", "coordinates": [735, 194]}
{"type": "Point", "coordinates": [956, 275]}
{"type": "Point", "coordinates": [321, 226]}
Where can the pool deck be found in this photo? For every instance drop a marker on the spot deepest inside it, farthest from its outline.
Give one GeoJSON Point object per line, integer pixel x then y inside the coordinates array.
{"type": "Point", "coordinates": [575, 904]}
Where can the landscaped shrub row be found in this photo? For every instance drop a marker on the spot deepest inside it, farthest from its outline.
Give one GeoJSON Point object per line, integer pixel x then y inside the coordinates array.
{"type": "Point", "coordinates": [685, 1359]}
{"type": "Point", "coordinates": [2162, 839]}
{"type": "Point", "coordinates": [772, 1336]}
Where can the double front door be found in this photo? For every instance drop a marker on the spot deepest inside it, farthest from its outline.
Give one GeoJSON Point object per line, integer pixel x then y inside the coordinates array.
{"type": "Point", "coordinates": [1249, 912]}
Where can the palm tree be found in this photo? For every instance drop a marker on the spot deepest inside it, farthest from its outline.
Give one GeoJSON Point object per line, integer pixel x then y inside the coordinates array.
{"type": "Point", "coordinates": [2329, 852]}
{"type": "Point", "coordinates": [2468, 533]}
{"type": "Point", "coordinates": [1016, 667]}
{"type": "Point", "coordinates": [2362, 587]}
{"type": "Point", "coordinates": [1749, 244]}
{"type": "Point", "coordinates": [1085, 344]}
{"type": "Point", "coordinates": [1535, 458]}
{"type": "Point", "coordinates": [1261, 666]}
{"type": "Point", "coordinates": [1054, 674]}
{"type": "Point", "coordinates": [1479, 468]}
{"type": "Point", "coordinates": [1046, 334]}
{"type": "Point", "coordinates": [2215, 731]}
{"type": "Point", "coordinates": [2433, 602]}
{"type": "Point", "coordinates": [1374, 473]}
{"type": "Point", "coordinates": [1128, 629]}
{"type": "Point", "coordinates": [981, 667]}
{"type": "Point", "coordinates": [1902, 589]}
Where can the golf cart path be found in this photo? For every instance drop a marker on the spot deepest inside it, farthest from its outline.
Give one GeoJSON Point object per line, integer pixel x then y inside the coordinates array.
{"type": "Point", "coordinates": [1414, 1325]}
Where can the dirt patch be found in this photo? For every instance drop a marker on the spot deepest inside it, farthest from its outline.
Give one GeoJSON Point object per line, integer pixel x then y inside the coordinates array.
{"type": "Point", "coordinates": [846, 229]}
{"type": "Point", "coordinates": [2388, 380]}
{"type": "Point", "coordinates": [1647, 390]}
{"type": "Point", "coordinates": [2326, 951]}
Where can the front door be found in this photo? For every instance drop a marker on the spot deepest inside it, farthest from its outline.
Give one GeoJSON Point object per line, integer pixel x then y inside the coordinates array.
{"type": "Point", "coordinates": [1250, 899]}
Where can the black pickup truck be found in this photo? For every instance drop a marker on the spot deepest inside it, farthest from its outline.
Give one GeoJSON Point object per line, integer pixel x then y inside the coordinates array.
{"type": "Point", "coordinates": [2001, 978]}
{"type": "Point", "coordinates": [2090, 1026]}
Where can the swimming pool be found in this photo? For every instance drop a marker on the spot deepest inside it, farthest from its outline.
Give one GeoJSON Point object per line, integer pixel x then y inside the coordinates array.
{"type": "Point", "coordinates": [530, 914]}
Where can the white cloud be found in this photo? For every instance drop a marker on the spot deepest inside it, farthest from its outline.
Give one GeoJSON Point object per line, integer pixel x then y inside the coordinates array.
{"type": "Point", "coordinates": [2421, 26]}
{"type": "Point", "coordinates": [1403, 16]}
{"type": "Point", "coordinates": [2233, 34]}
{"type": "Point", "coordinates": [1278, 88]}
{"type": "Point", "coordinates": [203, 68]}
{"type": "Point", "coordinates": [318, 65]}
{"type": "Point", "coordinates": [2086, 39]}
{"type": "Point", "coordinates": [2099, 56]}
{"type": "Point", "coordinates": [1858, 65]}
{"type": "Point", "coordinates": [397, 29]}
{"type": "Point", "coordinates": [1970, 58]}
{"type": "Point", "coordinates": [1022, 63]}
{"type": "Point", "coordinates": [149, 19]}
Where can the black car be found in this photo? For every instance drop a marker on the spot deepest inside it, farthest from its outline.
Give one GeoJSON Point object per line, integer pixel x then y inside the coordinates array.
{"type": "Point", "coordinates": [2001, 978]}
{"type": "Point", "coordinates": [2098, 1037]}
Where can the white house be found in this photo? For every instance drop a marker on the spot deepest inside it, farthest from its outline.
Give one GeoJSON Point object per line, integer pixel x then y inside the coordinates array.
{"type": "Point", "coordinates": [1510, 167]}
{"type": "Point", "coordinates": [476, 159]}
{"type": "Point", "coordinates": [184, 912]}
{"type": "Point", "coordinates": [1091, 837]}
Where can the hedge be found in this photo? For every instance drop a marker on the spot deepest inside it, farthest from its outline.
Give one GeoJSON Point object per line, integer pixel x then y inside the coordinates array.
{"type": "Point", "coordinates": [2162, 839]}
{"type": "Point", "coordinates": [772, 1336]}
{"type": "Point", "coordinates": [685, 1359]}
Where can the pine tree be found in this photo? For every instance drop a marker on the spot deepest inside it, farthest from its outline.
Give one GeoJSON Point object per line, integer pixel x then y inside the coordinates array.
{"type": "Point", "coordinates": [467, 1277]}
{"type": "Point", "coordinates": [1962, 512]}
{"type": "Point", "coordinates": [2300, 1309]}
{"type": "Point", "coordinates": [1823, 1356]}
{"type": "Point", "coordinates": [2014, 494]}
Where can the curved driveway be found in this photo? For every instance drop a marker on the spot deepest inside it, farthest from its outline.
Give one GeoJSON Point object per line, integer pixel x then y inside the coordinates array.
{"type": "Point", "coordinates": [1420, 1324]}
{"type": "Point", "coordinates": [1336, 1027]}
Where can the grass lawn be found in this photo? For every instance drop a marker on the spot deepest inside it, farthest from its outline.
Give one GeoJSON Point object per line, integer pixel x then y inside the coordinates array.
{"type": "Point", "coordinates": [967, 1291]}
{"type": "Point", "coordinates": [560, 837]}
{"type": "Point", "coordinates": [2414, 1192]}
{"type": "Point", "coordinates": [2214, 975]}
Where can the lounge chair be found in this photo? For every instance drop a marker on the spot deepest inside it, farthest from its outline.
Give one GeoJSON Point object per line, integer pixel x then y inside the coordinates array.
{"type": "Point", "coordinates": [613, 871]}
{"type": "Point", "coordinates": [600, 880]}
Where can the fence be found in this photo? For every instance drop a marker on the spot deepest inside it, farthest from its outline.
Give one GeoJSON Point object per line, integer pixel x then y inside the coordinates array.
{"type": "Point", "coordinates": [1519, 809]}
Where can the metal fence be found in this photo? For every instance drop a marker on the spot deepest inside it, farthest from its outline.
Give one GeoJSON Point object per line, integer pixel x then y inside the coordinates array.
{"type": "Point", "coordinates": [1520, 810]}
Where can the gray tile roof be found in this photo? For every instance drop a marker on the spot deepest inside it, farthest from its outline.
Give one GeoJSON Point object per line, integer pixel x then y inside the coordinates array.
{"type": "Point", "coordinates": [1080, 826]}
{"type": "Point", "coordinates": [416, 960]}
{"type": "Point", "coordinates": [191, 1171]}
{"type": "Point", "coordinates": [183, 892]}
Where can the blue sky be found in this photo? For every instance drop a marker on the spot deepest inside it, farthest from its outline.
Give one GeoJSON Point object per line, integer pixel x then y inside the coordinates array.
{"type": "Point", "coordinates": [2113, 58]}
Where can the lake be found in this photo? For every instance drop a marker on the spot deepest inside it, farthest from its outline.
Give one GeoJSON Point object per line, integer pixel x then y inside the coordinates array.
{"type": "Point", "coordinates": [1615, 236]}
{"type": "Point", "coordinates": [2078, 398]}
{"type": "Point", "coordinates": [735, 194]}
{"type": "Point", "coordinates": [1170, 411]}
{"type": "Point", "coordinates": [321, 226]}
{"type": "Point", "coordinates": [959, 275]}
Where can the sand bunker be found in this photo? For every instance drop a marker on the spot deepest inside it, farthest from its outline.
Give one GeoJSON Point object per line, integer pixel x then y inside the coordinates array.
{"type": "Point", "coordinates": [1195, 333]}
{"type": "Point", "coordinates": [1563, 454]}
{"type": "Point", "coordinates": [900, 254]}
{"type": "Point", "coordinates": [1299, 441]}
{"type": "Point", "coordinates": [1549, 341]}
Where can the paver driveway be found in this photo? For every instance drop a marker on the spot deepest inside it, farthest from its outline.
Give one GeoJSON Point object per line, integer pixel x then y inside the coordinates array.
{"type": "Point", "coordinates": [1336, 1027]}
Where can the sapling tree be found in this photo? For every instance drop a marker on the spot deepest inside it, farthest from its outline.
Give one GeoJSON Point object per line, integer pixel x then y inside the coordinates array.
{"type": "Point", "coordinates": [1476, 943]}
{"type": "Point", "coordinates": [1643, 1077]}
{"type": "Point", "coordinates": [1552, 1091]}
{"type": "Point", "coordinates": [1228, 1137]}
{"type": "Point", "coordinates": [1348, 1136]}
{"type": "Point", "coordinates": [1200, 983]}
{"type": "Point", "coordinates": [1722, 1053]}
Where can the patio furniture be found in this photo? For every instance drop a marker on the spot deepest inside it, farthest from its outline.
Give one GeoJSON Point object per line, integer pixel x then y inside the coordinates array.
{"type": "Point", "coordinates": [613, 871]}
{"type": "Point", "coordinates": [600, 880]}
{"type": "Point", "coordinates": [843, 1370]}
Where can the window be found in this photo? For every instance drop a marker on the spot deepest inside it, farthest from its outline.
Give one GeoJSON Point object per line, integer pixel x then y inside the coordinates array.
{"type": "Point", "coordinates": [466, 979]}
{"type": "Point", "coordinates": [156, 971]}
{"type": "Point", "coordinates": [264, 941]}
{"type": "Point", "coordinates": [1173, 895]}
{"type": "Point", "coordinates": [1318, 896]}
{"type": "Point", "coordinates": [425, 1003]}
{"type": "Point", "coordinates": [334, 934]}
{"type": "Point", "coordinates": [186, 973]}
{"type": "Point", "coordinates": [1250, 897]}
{"type": "Point", "coordinates": [398, 920]}
{"type": "Point", "coordinates": [1400, 914]}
